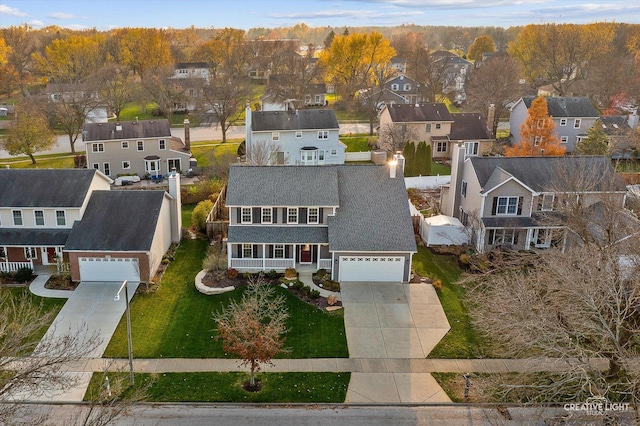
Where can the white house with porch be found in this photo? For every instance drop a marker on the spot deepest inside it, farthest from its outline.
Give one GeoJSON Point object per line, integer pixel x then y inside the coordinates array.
{"type": "Point", "coordinates": [351, 220]}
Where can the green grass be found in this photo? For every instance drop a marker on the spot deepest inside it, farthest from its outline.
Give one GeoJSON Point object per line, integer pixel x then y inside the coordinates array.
{"type": "Point", "coordinates": [227, 387]}
{"type": "Point", "coordinates": [143, 112]}
{"type": "Point", "coordinates": [452, 384]}
{"type": "Point", "coordinates": [440, 169]}
{"type": "Point", "coordinates": [175, 321]}
{"type": "Point", "coordinates": [206, 153]}
{"type": "Point", "coordinates": [187, 211]}
{"type": "Point", "coordinates": [358, 143]}
{"type": "Point", "coordinates": [43, 163]}
{"type": "Point", "coordinates": [46, 304]}
{"type": "Point", "coordinates": [461, 341]}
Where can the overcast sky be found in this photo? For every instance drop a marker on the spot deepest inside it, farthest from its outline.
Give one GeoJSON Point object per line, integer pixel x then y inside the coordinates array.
{"type": "Point", "coordinates": [245, 14]}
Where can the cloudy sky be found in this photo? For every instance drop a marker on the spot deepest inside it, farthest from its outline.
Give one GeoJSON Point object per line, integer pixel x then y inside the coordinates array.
{"type": "Point", "coordinates": [245, 14]}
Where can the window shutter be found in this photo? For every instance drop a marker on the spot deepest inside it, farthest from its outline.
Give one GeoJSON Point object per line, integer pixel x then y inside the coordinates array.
{"type": "Point", "coordinates": [255, 251]}
{"type": "Point", "coordinates": [287, 251]}
{"type": "Point", "coordinates": [495, 206]}
{"type": "Point", "coordinates": [239, 214]}
{"type": "Point", "coordinates": [256, 215]}
{"type": "Point", "coordinates": [320, 214]}
{"type": "Point", "coordinates": [238, 248]}
{"type": "Point", "coordinates": [270, 251]}
{"type": "Point", "coordinates": [274, 219]}
{"type": "Point", "coordinates": [302, 215]}
{"type": "Point", "coordinates": [520, 201]}
{"type": "Point", "coordinates": [491, 236]}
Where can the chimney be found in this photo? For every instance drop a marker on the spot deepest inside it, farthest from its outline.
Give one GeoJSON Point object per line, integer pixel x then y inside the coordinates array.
{"type": "Point", "coordinates": [400, 159]}
{"type": "Point", "coordinates": [491, 116]}
{"type": "Point", "coordinates": [176, 206]}
{"type": "Point", "coordinates": [457, 164]}
{"type": "Point", "coordinates": [187, 135]}
{"type": "Point", "coordinates": [632, 120]}
{"type": "Point", "coordinates": [393, 164]}
{"type": "Point", "coordinates": [247, 121]}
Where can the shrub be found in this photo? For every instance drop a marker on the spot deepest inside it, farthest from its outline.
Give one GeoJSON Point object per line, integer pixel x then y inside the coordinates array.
{"type": "Point", "coordinates": [306, 290]}
{"type": "Point", "coordinates": [332, 285]}
{"type": "Point", "coordinates": [272, 275]}
{"type": "Point", "coordinates": [437, 284]}
{"type": "Point", "coordinates": [298, 285]}
{"type": "Point", "coordinates": [215, 260]}
{"type": "Point", "coordinates": [232, 273]}
{"type": "Point", "coordinates": [332, 300]}
{"type": "Point", "coordinates": [165, 261]}
{"type": "Point", "coordinates": [314, 294]}
{"type": "Point", "coordinates": [200, 213]}
{"type": "Point", "coordinates": [464, 259]}
{"type": "Point", "coordinates": [290, 273]}
{"type": "Point", "coordinates": [23, 275]}
{"type": "Point", "coordinates": [321, 273]}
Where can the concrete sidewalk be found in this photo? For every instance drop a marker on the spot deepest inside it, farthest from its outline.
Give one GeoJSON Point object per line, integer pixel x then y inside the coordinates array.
{"type": "Point", "coordinates": [37, 287]}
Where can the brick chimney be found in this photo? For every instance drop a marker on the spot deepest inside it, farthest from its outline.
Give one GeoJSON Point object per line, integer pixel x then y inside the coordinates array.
{"type": "Point", "coordinates": [491, 115]}
{"type": "Point", "coordinates": [187, 136]}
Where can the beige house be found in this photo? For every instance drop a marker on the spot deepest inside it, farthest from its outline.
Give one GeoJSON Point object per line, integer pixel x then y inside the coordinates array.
{"type": "Point", "coordinates": [144, 148]}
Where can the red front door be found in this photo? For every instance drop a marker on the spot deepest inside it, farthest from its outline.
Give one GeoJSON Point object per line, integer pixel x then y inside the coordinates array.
{"type": "Point", "coordinates": [51, 254]}
{"type": "Point", "coordinates": [305, 254]}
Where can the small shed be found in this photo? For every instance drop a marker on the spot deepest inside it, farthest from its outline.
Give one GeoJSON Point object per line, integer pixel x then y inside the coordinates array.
{"type": "Point", "coordinates": [443, 230]}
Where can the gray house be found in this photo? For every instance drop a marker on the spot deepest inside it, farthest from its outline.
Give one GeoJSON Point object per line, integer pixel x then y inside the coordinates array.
{"type": "Point", "coordinates": [305, 137]}
{"type": "Point", "coordinates": [144, 148]}
{"type": "Point", "coordinates": [514, 201]}
{"type": "Point", "coordinates": [351, 220]}
{"type": "Point", "coordinates": [573, 117]}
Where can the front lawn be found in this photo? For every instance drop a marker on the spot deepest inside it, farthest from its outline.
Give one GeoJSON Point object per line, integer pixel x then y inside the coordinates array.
{"type": "Point", "coordinates": [61, 162]}
{"type": "Point", "coordinates": [46, 304]}
{"type": "Point", "coordinates": [438, 169]}
{"type": "Point", "coordinates": [461, 341]}
{"type": "Point", "coordinates": [175, 321]}
{"type": "Point", "coordinates": [227, 387]}
{"type": "Point", "coordinates": [206, 154]}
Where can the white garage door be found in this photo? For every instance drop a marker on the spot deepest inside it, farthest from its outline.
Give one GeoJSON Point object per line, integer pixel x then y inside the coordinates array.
{"type": "Point", "coordinates": [371, 268]}
{"type": "Point", "coordinates": [108, 269]}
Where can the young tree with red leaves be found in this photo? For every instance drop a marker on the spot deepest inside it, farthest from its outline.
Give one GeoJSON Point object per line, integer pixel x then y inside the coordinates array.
{"type": "Point", "coordinates": [537, 138]}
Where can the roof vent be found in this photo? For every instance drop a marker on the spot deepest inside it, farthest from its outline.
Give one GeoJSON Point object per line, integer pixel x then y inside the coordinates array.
{"type": "Point", "coordinates": [118, 127]}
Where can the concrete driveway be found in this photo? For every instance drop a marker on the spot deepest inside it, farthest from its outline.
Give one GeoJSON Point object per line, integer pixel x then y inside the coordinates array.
{"type": "Point", "coordinates": [91, 309]}
{"type": "Point", "coordinates": [392, 321]}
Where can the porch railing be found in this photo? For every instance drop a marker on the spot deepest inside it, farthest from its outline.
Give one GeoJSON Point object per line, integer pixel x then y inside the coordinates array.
{"type": "Point", "coordinates": [279, 263]}
{"type": "Point", "coordinates": [324, 264]}
{"type": "Point", "coordinates": [262, 263]}
{"type": "Point", "coordinates": [14, 266]}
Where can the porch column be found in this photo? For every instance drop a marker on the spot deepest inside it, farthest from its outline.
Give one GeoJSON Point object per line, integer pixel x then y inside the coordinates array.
{"type": "Point", "coordinates": [295, 253]}
{"type": "Point", "coordinates": [229, 254]}
{"type": "Point", "coordinates": [528, 241]}
{"type": "Point", "coordinates": [264, 252]}
{"type": "Point", "coordinates": [318, 255]}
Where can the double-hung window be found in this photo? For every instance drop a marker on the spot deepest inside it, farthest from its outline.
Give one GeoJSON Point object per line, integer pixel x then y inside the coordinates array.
{"type": "Point", "coordinates": [17, 218]}
{"type": "Point", "coordinates": [140, 145]}
{"type": "Point", "coordinates": [61, 219]}
{"type": "Point", "coordinates": [507, 205]}
{"type": "Point", "coordinates": [563, 121]}
{"type": "Point", "coordinates": [313, 215]}
{"type": "Point", "coordinates": [39, 217]}
{"type": "Point", "coordinates": [245, 216]}
{"type": "Point", "coordinates": [278, 251]}
{"type": "Point", "coordinates": [292, 215]}
{"type": "Point", "coordinates": [323, 134]}
{"type": "Point", "coordinates": [247, 250]}
{"type": "Point", "coordinates": [97, 147]}
{"type": "Point", "coordinates": [267, 215]}
{"type": "Point", "coordinates": [162, 144]}
{"type": "Point", "coordinates": [471, 148]}
{"type": "Point", "coordinates": [577, 123]}
{"type": "Point", "coordinates": [441, 147]}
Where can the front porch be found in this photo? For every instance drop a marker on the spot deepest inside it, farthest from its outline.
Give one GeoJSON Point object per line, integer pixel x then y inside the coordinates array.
{"type": "Point", "coordinates": [278, 257]}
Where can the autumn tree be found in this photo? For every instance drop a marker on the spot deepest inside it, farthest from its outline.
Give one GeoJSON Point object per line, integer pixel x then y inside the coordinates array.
{"type": "Point", "coordinates": [536, 133]}
{"type": "Point", "coordinates": [596, 142]}
{"type": "Point", "coordinates": [254, 327]}
{"type": "Point", "coordinates": [482, 44]}
{"type": "Point", "coordinates": [73, 58]}
{"type": "Point", "coordinates": [30, 133]}
{"type": "Point", "coordinates": [114, 88]}
{"type": "Point", "coordinates": [168, 93]}
{"type": "Point", "coordinates": [352, 61]}
{"type": "Point", "coordinates": [145, 49]}
{"type": "Point", "coordinates": [561, 54]}
{"type": "Point", "coordinates": [22, 43]}
{"type": "Point", "coordinates": [495, 82]}
{"type": "Point", "coordinates": [4, 51]}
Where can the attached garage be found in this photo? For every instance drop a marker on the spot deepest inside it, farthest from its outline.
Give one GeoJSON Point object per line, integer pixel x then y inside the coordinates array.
{"type": "Point", "coordinates": [108, 269]}
{"type": "Point", "coordinates": [371, 268]}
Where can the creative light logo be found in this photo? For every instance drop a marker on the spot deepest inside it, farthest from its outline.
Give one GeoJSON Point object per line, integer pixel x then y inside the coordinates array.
{"type": "Point", "coordinates": [597, 406]}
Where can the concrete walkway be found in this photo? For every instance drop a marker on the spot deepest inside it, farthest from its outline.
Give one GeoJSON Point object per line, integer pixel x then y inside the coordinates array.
{"type": "Point", "coordinates": [307, 278]}
{"type": "Point", "coordinates": [37, 287]}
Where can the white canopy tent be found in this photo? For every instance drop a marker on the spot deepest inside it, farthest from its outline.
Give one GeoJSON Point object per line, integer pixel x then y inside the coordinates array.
{"type": "Point", "coordinates": [443, 230]}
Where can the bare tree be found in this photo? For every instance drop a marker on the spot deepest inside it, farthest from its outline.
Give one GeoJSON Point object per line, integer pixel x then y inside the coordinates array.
{"type": "Point", "coordinates": [114, 88]}
{"type": "Point", "coordinates": [264, 153]}
{"type": "Point", "coordinates": [393, 138]}
{"type": "Point", "coordinates": [253, 328]}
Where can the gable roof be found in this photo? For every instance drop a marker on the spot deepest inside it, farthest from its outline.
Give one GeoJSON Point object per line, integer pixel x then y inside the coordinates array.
{"type": "Point", "coordinates": [282, 186]}
{"type": "Point", "coordinates": [45, 187]}
{"type": "Point", "coordinates": [562, 106]}
{"type": "Point", "coordinates": [117, 221]}
{"type": "Point", "coordinates": [410, 113]}
{"type": "Point", "coordinates": [307, 119]}
{"type": "Point", "coordinates": [614, 124]}
{"type": "Point", "coordinates": [126, 130]}
{"type": "Point", "coordinates": [469, 125]}
{"type": "Point", "coordinates": [374, 212]}
{"type": "Point", "coordinates": [541, 173]}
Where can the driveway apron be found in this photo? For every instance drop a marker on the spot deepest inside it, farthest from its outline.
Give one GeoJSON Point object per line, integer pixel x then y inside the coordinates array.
{"type": "Point", "coordinates": [392, 321]}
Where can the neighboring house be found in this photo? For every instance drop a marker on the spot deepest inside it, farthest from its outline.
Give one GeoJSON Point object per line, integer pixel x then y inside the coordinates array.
{"type": "Point", "coordinates": [144, 147]}
{"type": "Point", "coordinates": [620, 134]}
{"type": "Point", "coordinates": [191, 70]}
{"type": "Point", "coordinates": [351, 220]}
{"type": "Point", "coordinates": [398, 89]}
{"type": "Point", "coordinates": [71, 215]}
{"type": "Point", "coordinates": [70, 92]}
{"type": "Point", "coordinates": [573, 117]}
{"type": "Point", "coordinates": [280, 98]}
{"type": "Point", "coordinates": [300, 137]}
{"type": "Point", "coordinates": [470, 130]}
{"type": "Point", "coordinates": [509, 201]}
{"type": "Point", "coordinates": [457, 70]}
{"type": "Point", "coordinates": [429, 122]}
{"type": "Point", "coordinates": [399, 64]}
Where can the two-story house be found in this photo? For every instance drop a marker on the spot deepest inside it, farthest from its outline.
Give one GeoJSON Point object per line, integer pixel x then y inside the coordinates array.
{"type": "Point", "coordinates": [514, 201]}
{"type": "Point", "coordinates": [191, 70]}
{"type": "Point", "coordinates": [300, 137]}
{"type": "Point", "coordinates": [471, 130]}
{"type": "Point", "coordinates": [70, 215]}
{"type": "Point", "coordinates": [573, 117]}
{"type": "Point", "coordinates": [399, 89]}
{"type": "Point", "coordinates": [351, 220]}
{"type": "Point", "coordinates": [143, 148]}
{"type": "Point", "coordinates": [429, 122]}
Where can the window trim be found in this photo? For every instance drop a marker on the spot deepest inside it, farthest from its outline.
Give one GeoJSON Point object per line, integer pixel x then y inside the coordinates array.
{"type": "Point", "coordinates": [267, 212]}
{"type": "Point", "coordinates": [162, 144]}
{"type": "Point", "coordinates": [140, 146]}
{"type": "Point", "coordinates": [438, 126]}
{"type": "Point", "coordinates": [275, 136]}
{"type": "Point", "coordinates": [441, 146]}
{"type": "Point", "coordinates": [35, 218]}
{"type": "Point", "coordinates": [243, 215]}
{"type": "Point", "coordinates": [427, 128]}
{"type": "Point", "coordinates": [17, 214]}
{"type": "Point", "coordinates": [563, 122]}
{"type": "Point", "coordinates": [564, 139]}
{"type": "Point", "coordinates": [475, 148]}
{"type": "Point", "coordinates": [577, 123]}
{"type": "Point", "coordinates": [316, 214]}
{"type": "Point", "coordinates": [97, 147]}
{"type": "Point", "coordinates": [30, 253]}
{"type": "Point", "coordinates": [245, 248]}
{"type": "Point", "coordinates": [291, 211]}
{"type": "Point", "coordinates": [298, 135]}
{"type": "Point", "coordinates": [278, 251]}
{"type": "Point", "coordinates": [334, 152]}
{"type": "Point", "coordinates": [323, 134]}
{"type": "Point", "coordinates": [124, 145]}
{"type": "Point", "coordinates": [507, 205]}
{"type": "Point", "coordinates": [64, 218]}
{"type": "Point", "coordinates": [126, 165]}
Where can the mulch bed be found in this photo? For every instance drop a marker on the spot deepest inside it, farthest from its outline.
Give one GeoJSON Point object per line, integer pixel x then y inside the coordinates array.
{"type": "Point", "coordinates": [60, 282]}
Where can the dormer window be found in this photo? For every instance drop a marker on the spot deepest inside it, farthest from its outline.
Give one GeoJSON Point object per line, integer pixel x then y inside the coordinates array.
{"type": "Point", "coordinates": [395, 87]}
{"type": "Point", "coordinates": [407, 87]}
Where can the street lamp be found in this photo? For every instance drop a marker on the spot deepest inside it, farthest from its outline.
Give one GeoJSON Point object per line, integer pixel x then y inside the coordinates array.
{"type": "Point", "coordinates": [125, 285]}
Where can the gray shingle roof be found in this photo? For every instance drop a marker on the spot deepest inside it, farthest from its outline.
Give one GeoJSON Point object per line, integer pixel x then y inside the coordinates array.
{"type": "Point", "coordinates": [284, 234]}
{"type": "Point", "coordinates": [409, 113]}
{"type": "Point", "coordinates": [614, 124]}
{"type": "Point", "coordinates": [282, 186]}
{"type": "Point", "coordinates": [374, 212]}
{"type": "Point", "coordinates": [117, 221]}
{"type": "Point", "coordinates": [44, 187]}
{"type": "Point", "coordinates": [308, 119]}
{"type": "Point", "coordinates": [542, 173]}
{"type": "Point", "coordinates": [562, 106]}
{"type": "Point", "coordinates": [33, 237]}
{"type": "Point", "coordinates": [126, 130]}
{"type": "Point", "coordinates": [468, 126]}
